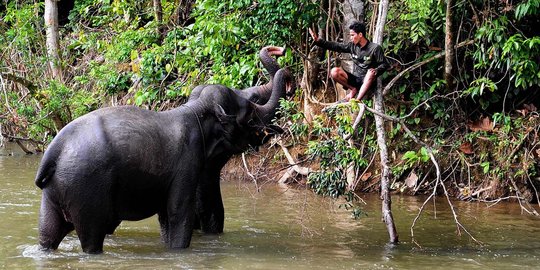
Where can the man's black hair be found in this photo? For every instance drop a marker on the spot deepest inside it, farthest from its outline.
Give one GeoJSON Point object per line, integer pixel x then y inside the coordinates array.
{"type": "Point", "coordinates": [358, 27]}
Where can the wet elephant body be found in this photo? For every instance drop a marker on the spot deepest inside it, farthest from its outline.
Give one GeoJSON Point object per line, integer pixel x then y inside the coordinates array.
{"type": "Point", "coordinates": [127, 163]}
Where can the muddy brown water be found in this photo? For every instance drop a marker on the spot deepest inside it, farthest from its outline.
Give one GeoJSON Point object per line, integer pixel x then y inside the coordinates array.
{"type": "Point", "coordinates": [277, 228]}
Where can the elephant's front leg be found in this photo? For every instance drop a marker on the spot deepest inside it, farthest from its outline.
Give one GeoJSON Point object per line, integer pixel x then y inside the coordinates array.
{"type": "Point", "coordinates": [164, 226]}
{"type": "Point", "coordinates": [210, 211]}
{"type": "Point", "coordinates": [180, 215]}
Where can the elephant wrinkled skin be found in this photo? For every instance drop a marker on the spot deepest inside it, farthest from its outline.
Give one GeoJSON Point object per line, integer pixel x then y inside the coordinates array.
{"type": "Point", "coordinates": [127, 163]}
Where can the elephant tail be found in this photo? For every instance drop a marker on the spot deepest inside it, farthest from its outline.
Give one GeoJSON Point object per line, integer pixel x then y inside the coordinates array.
{"type": "Point", "coordinates": [47, 168]}
{"type": "Point", "coordinates": [43, 175]}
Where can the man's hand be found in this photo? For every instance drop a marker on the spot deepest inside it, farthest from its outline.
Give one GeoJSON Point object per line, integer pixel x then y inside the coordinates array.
{"type": "Point", "coordinates": [313, 34]}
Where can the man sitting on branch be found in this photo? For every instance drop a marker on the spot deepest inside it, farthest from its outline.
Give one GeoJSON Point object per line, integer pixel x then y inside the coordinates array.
{"type": "Point", "coordinates": [367, 57]}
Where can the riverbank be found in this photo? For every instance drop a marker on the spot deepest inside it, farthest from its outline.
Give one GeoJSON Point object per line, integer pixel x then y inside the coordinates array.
{"type": "Point", "coordinates": [271, 164]}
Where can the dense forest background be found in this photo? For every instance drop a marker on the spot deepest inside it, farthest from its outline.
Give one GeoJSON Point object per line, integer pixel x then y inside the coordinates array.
{"type": "Point", "coordinates": [479, 118]}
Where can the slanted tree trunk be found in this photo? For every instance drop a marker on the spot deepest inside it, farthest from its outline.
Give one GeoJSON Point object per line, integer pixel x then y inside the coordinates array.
{"type": "Point", "coordinates": [449, 48]}
{"type": "Point", "coordinates": [51, 24]}
{"type": "Point", "coordinates": [378, 102]}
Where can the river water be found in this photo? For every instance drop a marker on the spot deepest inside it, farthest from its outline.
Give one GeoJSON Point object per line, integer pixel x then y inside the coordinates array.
{"type": "Point", "coordinates": [277, 228]}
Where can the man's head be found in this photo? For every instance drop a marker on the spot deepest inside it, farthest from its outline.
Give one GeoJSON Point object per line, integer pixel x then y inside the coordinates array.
{"type": "Point", "coordinates": [357, 32]}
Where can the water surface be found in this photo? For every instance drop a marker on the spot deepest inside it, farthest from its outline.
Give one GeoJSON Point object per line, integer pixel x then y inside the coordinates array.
{"type": "Point", "coordinates": [277, 228]}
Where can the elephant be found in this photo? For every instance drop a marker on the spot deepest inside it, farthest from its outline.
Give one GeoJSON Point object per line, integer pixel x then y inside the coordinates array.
{"type": "Point", "coordinates": [210, 212]}
{"type": "Point", "coordinates": [127, 163]}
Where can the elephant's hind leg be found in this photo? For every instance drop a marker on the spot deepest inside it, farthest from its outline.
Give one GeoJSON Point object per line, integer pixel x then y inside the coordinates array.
{"type": "Point", "coordinates": [52, 225]}
{"type": "Point", "coordinates": [92, 225]}
{"type": "Point", "coordinates": [91, 234]}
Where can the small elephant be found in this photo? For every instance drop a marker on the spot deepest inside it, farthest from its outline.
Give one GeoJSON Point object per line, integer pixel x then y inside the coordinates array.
{"type": "Point", "coordinates": [210, 211]}
{"type": "Point", "coordinates": [127, 163]}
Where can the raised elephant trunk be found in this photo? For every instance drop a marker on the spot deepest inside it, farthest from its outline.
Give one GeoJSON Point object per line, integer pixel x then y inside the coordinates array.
{"type": "Point", "coordinates": [261, 93]}
{"type": "Point", "coordinates": [270, 63]}
{"type": "Point", "coordinates": [281, 81]}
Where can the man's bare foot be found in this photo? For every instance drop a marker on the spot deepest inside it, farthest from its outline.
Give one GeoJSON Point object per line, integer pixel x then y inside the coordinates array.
{"type": "Point", "coordinates": [351, 94]}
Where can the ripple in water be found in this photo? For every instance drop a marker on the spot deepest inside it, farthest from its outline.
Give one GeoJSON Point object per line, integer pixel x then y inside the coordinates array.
{"type": "Point", "coordinates": [68, 248]}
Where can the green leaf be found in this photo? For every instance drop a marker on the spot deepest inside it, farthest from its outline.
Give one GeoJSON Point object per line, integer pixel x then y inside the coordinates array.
{"type": "Point", "coordinates": [485, 167]}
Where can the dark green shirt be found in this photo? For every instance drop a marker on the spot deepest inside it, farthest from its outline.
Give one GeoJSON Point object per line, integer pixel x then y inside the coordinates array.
{"type": "Point", "coordinates": [363, 58]}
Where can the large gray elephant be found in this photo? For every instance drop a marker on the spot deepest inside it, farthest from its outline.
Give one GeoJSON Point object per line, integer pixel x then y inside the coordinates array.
{"type": "Point", "coordinates": [210, 211]}
{"type": "Point", "coordinates": [127, 163]}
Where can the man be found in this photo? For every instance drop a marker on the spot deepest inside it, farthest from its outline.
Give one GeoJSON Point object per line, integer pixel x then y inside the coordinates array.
{"type": "Point", "coordinates": [368, 60]}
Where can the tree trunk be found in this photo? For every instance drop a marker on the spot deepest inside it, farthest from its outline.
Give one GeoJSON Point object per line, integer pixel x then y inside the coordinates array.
{"type": "Point", "coordinates": [53, 47]}
{"type": "Point", "coordinates": [51, 24]}
{"type": "Point", "coordinates": [182, 13]}
{"type": "Point", "coordinates": [353, 10]}
{"type": "Point", "coordinates": [158, 12]}
{"type": "Point", "coordinates": [449, 48]}
{"type": "Point", "coordinates": [311, 71]}
{"type": "Point", "coordinates": [378, 102]}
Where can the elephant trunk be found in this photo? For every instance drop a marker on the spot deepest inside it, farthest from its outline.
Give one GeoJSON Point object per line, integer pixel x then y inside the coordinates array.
{"type": "Point", "coordinates": [270, 63]}
{"type": "Point", "coordinates": [261, 93]}
{"type": "Point", "coordinates": [281, 81]}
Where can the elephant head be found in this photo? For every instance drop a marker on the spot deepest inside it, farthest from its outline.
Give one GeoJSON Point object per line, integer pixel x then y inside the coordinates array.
{"type": "Point", "coordinates": [244, 123]}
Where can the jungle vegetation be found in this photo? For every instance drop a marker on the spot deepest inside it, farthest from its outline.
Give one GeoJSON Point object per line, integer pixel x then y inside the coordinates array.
{"type": "Point", "coordinates": [479, 119]}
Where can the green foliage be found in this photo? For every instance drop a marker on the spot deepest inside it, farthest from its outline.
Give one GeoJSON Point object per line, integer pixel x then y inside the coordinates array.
{"type": "Point", "coordinates": [107, 79]}
{"type": "Point", "coordinates": [477, 89]}
{"type": "Point", "coordinates": [420, 23]}
{"type": "Point", "coordinates": [521, 53]}
{"type": "Point", "coordinates": [335, 155]}
{"type": "Point", "coordinates": [289, 110]}
{"type": "Point", "coordinates": [122, 45]}
{"type": "Point", "coordinates": [24, 30]}
{"type": "Point", "coordinates": [499, 50]}
{"type": "Point", "coordinates": [526, 8]}
{"type": "Point", "coordinates": [327, 183]}
{"type": "Point", "coordinates": [58, 95]}
{"type": "Point", "coordinates": [413, 158]}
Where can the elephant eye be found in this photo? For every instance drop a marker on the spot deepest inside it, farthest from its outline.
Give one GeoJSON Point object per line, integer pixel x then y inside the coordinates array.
{"type": "Point", "coordinates": [251, 123]}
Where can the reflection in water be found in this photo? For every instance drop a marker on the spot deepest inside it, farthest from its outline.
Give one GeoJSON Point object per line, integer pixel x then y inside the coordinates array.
{"type": "Point", "coordinates": [277, 228]}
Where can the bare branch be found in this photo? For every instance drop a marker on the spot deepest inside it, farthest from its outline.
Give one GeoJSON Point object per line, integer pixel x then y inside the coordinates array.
{"type": "Point", "coordinates": [249, 173]}
{"type": "Point", "coordinates": [419, 64]}
{"type": "Point", "coordinates": [438, 174]}
{"type": "Point", "coordinates": [22, 81]}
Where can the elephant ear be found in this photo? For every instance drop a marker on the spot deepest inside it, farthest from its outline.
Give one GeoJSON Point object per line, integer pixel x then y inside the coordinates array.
{"type": "Point", "coordinates": [222, 116]}
{"type": "Point", "coordinates": [240, 119]}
